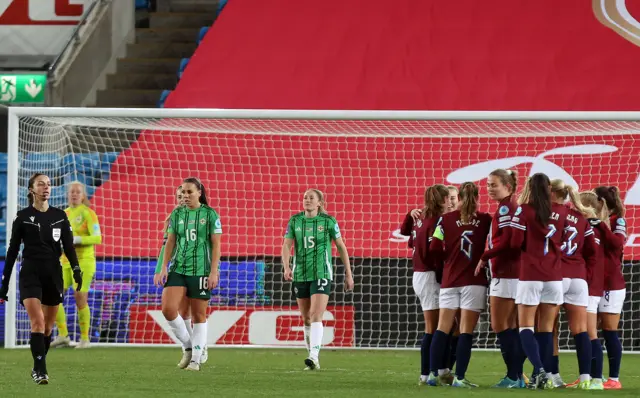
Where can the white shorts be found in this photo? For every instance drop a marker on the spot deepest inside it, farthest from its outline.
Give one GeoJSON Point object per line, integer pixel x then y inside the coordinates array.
{"type": "Point", "coordinates": [504, 287]}
{"type": "Point", "coordinates": [612, 301]}
{"type": "Point", "coordinates": [473, 298]}
{"type": "Point", "coordinates": [576, 291]}
{"type": "Point", "coordinates": [427, 290]}
{"type": "Point", "coordinates": [536, 292]}
{"type": "Point", "coordinates": [592, 307]}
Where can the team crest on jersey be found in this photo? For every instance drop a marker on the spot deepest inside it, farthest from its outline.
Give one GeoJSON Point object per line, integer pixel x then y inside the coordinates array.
{"type": "Point", "coordinates": [320, 228]}
{"type": "Point", "coordinates": [620, 221]}
{"type": "Point", "coordinates": [504, 210]}
{"type": "Point", "coordinates": [203, 221]}
{"type": "Point", "coordinates": [419, 223]}
{"type": "Point", "coordinates": [518, 211]}
{"type": "Point", "coordinates": [56, 234]}
{"type": "Point", "coordinates": [78, 219]}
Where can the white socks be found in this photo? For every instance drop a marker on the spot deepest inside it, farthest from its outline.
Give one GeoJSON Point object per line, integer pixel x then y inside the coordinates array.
{"type": "Point", "coordinates": [180, 331]}
{"type": "Point", "coordinates": [315, 340]}
{"type": "Point", "coordinates": [199, 341]}
{"type": "Point", "coordinates": [307, 337]}
{"type": "Point", "coordinates": [187, 324]}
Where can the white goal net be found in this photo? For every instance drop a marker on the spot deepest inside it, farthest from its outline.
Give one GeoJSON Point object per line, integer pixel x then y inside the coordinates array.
{"type": "Point", "coordinates": [372, 166]}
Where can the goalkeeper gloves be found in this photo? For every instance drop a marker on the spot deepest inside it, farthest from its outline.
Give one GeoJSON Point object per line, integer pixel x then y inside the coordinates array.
{"type": "Point", "coordinates": [77, 276]}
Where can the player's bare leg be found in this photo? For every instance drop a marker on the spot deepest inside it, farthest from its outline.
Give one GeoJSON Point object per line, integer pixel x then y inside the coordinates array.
{"type": "Point", "coordinates": [171, 298]}
{"type": "Point", "coordinates": [199, 339]}
{"type": "Point", "coordinates": [304, 305]}
{"type": "Point", "coordinates": [316, 312]}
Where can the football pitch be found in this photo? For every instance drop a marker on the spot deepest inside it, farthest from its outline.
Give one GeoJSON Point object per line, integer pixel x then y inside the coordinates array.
{"type": "Point", "coordinates": [144, 372]}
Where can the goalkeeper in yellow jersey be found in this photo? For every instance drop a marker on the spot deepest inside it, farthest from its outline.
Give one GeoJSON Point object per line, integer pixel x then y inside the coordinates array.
{"type": "Point", "coordinates": [86, 234]}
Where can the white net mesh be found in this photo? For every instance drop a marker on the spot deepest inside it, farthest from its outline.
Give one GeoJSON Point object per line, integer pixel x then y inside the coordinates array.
{"type": "Point", "coordinates": [372, 173]}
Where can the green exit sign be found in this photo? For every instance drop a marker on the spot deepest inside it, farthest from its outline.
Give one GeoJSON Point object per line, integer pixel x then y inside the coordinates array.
{"type": "Point", "coordinates": [16, 89]}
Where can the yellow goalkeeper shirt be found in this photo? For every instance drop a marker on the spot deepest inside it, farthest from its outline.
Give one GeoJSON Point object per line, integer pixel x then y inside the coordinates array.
{"type": "Point", "coordinates": [86, 234]}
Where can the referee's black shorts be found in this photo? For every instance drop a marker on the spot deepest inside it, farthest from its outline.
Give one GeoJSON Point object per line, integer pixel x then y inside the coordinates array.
{"type": "Point", "coordinates": [42, 280]}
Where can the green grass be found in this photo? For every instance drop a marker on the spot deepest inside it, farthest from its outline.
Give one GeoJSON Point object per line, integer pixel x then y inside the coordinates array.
{"type": "Point", "coordinates": [143, 372]}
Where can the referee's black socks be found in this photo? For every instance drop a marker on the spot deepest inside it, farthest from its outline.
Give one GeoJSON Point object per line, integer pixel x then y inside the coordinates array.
{"type": "Point", "coordinates": [38, 352]}
{"type": "Point", "coordinates": [47, 343]}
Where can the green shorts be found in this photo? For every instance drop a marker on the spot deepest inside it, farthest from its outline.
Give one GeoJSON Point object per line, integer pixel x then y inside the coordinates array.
{"type": "Point", "coordinates": [304, 290]}
{"type": "Point", "coordinates": [196, 285]}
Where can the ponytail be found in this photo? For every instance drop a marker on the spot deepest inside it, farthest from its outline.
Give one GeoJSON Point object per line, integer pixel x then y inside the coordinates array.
{"type": "Point", "coordinates": [434, 199]}
{"type": "Point", "coordinates": [469, 201]}
{"type": "Point", "coordinates": [587, 212]}
{"type": "Point", "coordinates": [539, 196]}
{"type": "Point", "coordinates": [611, 195]}
{"type": "Point", "coordinates": [599, 206]}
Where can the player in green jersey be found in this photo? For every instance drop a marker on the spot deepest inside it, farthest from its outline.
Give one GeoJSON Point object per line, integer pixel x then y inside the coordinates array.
{"type": "Point", "coordinates": [185, 305]}
{"type": "Point", "coordinates": [193, 246]}
{"type": "Point", "coordinates": [311, 233]}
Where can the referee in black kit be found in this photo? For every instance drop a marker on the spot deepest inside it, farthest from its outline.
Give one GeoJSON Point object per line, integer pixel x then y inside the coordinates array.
{"type": "Point", "coordinates": [45, 232]}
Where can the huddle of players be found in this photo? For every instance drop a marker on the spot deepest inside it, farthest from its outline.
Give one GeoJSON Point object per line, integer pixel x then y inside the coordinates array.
{"type": "Point", "coordinates": [541, 254]}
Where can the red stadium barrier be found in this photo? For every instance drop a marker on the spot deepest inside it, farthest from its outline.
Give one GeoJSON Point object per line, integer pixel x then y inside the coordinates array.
{"type": "Point", "coordinates": [256, 185]}
{"type": "Point", "coordinates": [247, 326]}
{"type": "Point", "coordinates": [422, 55]}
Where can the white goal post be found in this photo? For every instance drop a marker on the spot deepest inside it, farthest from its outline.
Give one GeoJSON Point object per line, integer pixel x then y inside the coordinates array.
{"type": "Point", "coordinates": [373, 166]}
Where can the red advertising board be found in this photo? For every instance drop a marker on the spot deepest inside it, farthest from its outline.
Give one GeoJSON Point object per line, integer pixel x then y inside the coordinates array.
{"type": "Point", "coordinates": [271, 326]}
{"type": "Point", "coordinates": [257, 182]}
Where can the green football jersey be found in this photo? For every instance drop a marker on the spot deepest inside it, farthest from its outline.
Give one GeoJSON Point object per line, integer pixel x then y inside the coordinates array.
{"type": "Point", "coordinates": [312, 237]}
{"type": "Point", "coordinates": [193, 229]}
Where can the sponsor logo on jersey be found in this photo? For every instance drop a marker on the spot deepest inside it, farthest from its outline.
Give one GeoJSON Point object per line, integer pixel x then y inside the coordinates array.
{"type": "Point", "coordinates": [504, 210]}
{"type": "Point", "coordinates": [181, 222]}
{"type": "Point", "coordinates": [32, 218]}
{"type": "Point", "coordinates": [518, 211]}
{"type": "Point", "coordinates": [56, 234]}
{"type": "Point", "coordinates": [298, 229]}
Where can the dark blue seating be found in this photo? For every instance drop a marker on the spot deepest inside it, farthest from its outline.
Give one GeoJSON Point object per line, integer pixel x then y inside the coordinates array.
{"type": "Point", "coordinates": [163, 98]}
{"type": "Point", "coordinates": [183, 65]}
{"type": "Point", "coordinates": [41, 162]}
{"type": "Point", "coordinates": [202, 33]}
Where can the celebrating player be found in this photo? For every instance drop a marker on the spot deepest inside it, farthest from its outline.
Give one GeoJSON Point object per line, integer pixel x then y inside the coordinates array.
{"type": "Point", "coordinates": [460, 239]}
{"type": "Point", "coordinates": [41, 228]}
{"type": "Point", "coordinates": [310, 233]}
{"type": "Point", "coordinates": [425, 283]}
{"type": "Point", "coordinates": [194, 231]}
{"type": "Point", "coordinates": [504, 263]}
{"type": "Point", "coordinates": [615, 290]}
{"type": "Point", "coordinates": [452, 199]}
{"type": "Point", "coordinates": [579, 251]}
{"type": "Point", "coordinates": [185, 305]}
{"type": "Point", "coordinates": [86, 234]}
{"type": "Point", "coordinates": [537, 229]}
{"type": "Point", "coordinates": [595, 281]}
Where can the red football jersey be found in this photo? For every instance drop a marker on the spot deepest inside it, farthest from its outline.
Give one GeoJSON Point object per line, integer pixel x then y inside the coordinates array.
{"type": "Point", "coordinates": [595, 274]}
{"type": "Point", "coordinates": [504, 262]}
{"type": "Point", "coordinates": [614, 240]}
{"type": "Point", "coordinates": [541, 257]}
{"type": "Point", "coordinates": [423, 261]}
{"type": "Point", "coordinates": [579, 246]}
{"type": "Point", "coordinates": [462, 245]}
{"type": "Point", "coordinates": [408, 229]}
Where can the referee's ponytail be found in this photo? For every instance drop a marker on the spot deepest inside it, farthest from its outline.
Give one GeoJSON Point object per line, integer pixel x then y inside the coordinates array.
{"type": "Point", "coordinates": [203, 193]}
{"type": "Point", "coordinates": [32, 181]}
